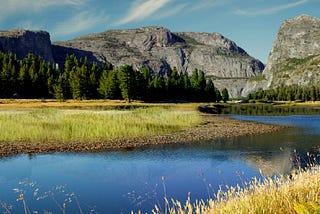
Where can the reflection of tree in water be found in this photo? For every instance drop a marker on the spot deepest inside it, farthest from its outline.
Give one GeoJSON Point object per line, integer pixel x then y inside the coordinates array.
{"type": "Point", "coordinates": [266, 110]}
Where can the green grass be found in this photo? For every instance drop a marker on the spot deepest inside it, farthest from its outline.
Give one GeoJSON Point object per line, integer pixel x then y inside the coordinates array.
{"type": "Point", "coordinates": [64, 125]}
{"type": "Point", "coordinates": [297, 193]}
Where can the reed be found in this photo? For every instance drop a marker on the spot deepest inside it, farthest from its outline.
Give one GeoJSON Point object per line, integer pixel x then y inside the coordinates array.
{"type": "Point", "coordinates": [64, 125]}
{"type": "Point", "coordinates": [295, 193]}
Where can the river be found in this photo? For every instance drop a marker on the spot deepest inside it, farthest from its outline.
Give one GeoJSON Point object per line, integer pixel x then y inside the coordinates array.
{"type": "Point", "coordinates": [118, 182]}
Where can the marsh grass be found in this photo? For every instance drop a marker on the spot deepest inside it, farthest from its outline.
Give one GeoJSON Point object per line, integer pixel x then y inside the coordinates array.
{"type": "Point", "coordinates": [25, 104]}
{"type": "Point", "coordinates": [295, 193]}
{"type": "Point", "coordinates": [65, 125]}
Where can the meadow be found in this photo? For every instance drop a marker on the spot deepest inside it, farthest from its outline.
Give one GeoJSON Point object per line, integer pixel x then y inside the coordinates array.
{"type": "Point", "coordinates": [54, 124]}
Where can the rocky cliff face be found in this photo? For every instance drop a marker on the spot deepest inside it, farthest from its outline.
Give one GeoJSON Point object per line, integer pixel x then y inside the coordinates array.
{"type": "Point", "coordinates": [159, 49]}
{"type": "Point", "coordinates": [154, 47]}
{"type": "Point", "coordinates": [22, 42]}
{"type": "Point", "coordinates": [295, 55]}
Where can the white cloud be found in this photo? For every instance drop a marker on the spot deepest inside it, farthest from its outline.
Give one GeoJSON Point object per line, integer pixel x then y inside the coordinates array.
{"type": "Point", "coordinates": [141, 10]}
{"type": "Point", "coordinates": [268, 11]}
{"type": "Point", "coordinates": [82, 21]}
{"type": "Point", "coordinates": [11, 8]}
{"type": "Point", "coordinates": [173, 11]}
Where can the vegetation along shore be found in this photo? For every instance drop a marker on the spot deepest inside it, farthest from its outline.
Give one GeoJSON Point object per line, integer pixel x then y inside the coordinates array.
{"type": "Point", "coordinates": [295, 193]}
{"type": "Point", "coordinates": [45, 127]}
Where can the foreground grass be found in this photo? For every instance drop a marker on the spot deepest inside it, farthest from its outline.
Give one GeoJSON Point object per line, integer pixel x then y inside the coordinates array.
{"type": "Point", "coordinates": [64, 125]}
{"type": "Point", "coordinates": [297, 193]}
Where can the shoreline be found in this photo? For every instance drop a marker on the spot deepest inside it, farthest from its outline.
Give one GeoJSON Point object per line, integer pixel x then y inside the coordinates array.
{"type": "Point", "coordinates": [212, 127]}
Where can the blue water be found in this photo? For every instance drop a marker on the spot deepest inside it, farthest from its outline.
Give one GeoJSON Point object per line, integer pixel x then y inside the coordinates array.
{"type": "Point", "coordinates": [118, 182]}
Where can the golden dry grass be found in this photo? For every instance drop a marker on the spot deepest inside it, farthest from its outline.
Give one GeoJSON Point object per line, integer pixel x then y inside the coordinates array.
{"type": "Point", "coordinates": [86, 104]}
{"type": "Point", "coordinates": [297, 193]}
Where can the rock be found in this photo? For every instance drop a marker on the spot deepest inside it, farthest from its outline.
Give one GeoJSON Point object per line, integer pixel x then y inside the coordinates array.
{"type": "Point", "coordinates": [21, 42]}
{"type": "Point", "coordinates": [295, 55]}
{"type": "Point", "coordinates": [159, 49]}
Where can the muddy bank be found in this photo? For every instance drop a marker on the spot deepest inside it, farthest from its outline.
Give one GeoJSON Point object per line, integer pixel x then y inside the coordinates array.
{"type": "Point", "coordinates": [212, 127]}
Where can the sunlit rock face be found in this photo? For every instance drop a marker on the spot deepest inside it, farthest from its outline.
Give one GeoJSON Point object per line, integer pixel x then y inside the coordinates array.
{"type": "Point", "coordinates": [160, 49]}
{"type": "Point", "coordinates": [295, 55]}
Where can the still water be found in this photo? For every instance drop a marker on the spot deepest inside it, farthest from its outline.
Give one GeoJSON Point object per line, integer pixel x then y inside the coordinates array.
{"type": "Point", "coordinates": [118, 182]}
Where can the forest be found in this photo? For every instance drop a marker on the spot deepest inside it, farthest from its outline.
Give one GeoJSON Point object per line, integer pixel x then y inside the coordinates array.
{"type": "Point", "coordinates": [79, 79]}
{"type": "Point", "coordinates": [287, 93]}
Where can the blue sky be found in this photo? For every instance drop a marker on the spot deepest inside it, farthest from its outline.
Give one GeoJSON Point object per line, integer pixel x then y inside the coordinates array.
{"type": "Point", "coordinates": [252, 24]}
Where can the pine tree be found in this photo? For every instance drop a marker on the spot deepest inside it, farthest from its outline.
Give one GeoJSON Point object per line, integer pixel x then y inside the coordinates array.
{"type": "Point", "coordinates": [58, 89]}
{"type": "Point", "coordinates": [186, 86]}
{"type": "Point", "coordinates": [202, 84]}
{"type": "Point", "coordinates": [109, 85]}
{"type": "Point", "coordinates": [158, 88]}
{"type": "Point", "coordinates": [225, 95]}
{"type": "Point", "coordinates": [75, 83]}
{"type": "Point", "coordinates": [218, 95]}
{"type": "Point", "coordinates": [313, 93]}
{"type": "Point", "coordinates": [173, 84]}
{"type": "Point", "coordinates": [210, 93]}
{"type": "Point", "coordinates": [146, 85]}
{"type": "Point", "coordinates": [195, 87]}
{"type": "Point", "coordinates": [127, 82]}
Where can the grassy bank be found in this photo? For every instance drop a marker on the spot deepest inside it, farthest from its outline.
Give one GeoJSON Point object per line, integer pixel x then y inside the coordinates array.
{"type": "Point", "coordinates": [297, 193]}
{"type": "Point", "coordinates": [46, 126]}
{"type": "Point", "coordinates": [63, 125]}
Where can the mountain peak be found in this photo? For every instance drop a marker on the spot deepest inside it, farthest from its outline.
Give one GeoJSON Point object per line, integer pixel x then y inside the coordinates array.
{"type": "Point", "coordinates": [21, 32]}
{"type": "Point", "coordinates": [303, 17]}
{"type": "Point", "coordinates": [21, 42]}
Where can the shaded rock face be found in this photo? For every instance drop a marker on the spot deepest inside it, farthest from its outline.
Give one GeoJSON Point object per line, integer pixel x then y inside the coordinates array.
{"type": "Point", "coordinates": [159, 49]}
{"type": "Point", "coordinates": [295, 55]}
{"type": "Point", "coordinates": [22, 42]}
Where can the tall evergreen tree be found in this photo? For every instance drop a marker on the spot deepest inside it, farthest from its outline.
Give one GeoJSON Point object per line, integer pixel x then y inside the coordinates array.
{"type": "Point", "coordinates": [127, 82]}
{"type": "Point", "coordinates": [109, 85]}
{"type": "Point", "coordinates": [210, 93]}
{"type": "Point", "coordinates": [225, 95]}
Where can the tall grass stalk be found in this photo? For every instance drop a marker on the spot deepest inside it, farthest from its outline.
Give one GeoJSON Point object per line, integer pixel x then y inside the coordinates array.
{"type": "Point", "coordinates": [297, 193]}
{"type": "Point", "coordinates": [46, 125]}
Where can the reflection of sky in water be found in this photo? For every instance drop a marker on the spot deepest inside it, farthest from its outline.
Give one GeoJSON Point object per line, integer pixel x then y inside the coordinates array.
{"type": "Point", "coordinates": [310, 123]}
{"type": "Point", "coordinates": [122, 181]}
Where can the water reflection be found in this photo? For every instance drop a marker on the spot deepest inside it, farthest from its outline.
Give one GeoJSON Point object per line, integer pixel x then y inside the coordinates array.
{"type": "Point", "coordinates": [118, 182]}
{"type": "Point", "coordinates": [266, 109]}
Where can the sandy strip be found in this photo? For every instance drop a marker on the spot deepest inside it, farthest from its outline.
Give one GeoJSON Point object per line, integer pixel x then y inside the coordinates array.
{"type": "Point", "coordinates": [212, 127]}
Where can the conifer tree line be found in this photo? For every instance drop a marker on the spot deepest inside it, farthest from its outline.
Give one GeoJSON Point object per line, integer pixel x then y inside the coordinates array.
{"type": "Point", "coordinates": [288, 93]}
{"type": "Point", "coordinates": [79, 79]}
{"type": "Point", "coordinates": [27, 78]}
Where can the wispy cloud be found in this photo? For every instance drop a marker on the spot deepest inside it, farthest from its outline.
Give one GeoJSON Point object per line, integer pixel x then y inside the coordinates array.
{"type": "Point", "coordinates": [81, 22]}
{"type": "Point", "coordinates": [14, 6]}
{"type": "Point", "coordinates": [172, 11]}
{"type": "Point", "coordinates": [17, 7]}
{"type": "Point", "coordinates": [207, 4]}
{"type": "Point", "coordinates": [141, 10]}
{"type": "Point", "coordinates": [268, 11]}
